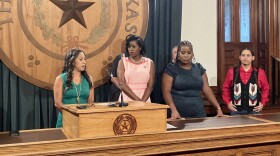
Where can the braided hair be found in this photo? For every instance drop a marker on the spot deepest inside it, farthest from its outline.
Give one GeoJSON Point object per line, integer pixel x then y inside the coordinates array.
{"type": "Point", "coordinates": [187, 44]}
{"type": "Point", "coordinates": [254, 69]}
{"type": "Point", "coordinates": [68, 67]}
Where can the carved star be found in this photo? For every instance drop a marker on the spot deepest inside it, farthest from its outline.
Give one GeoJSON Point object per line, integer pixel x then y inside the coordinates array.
{"type": "Point", "coordinates": [124, 126]}
{"type": "Point", "coordinates": [72, 9]}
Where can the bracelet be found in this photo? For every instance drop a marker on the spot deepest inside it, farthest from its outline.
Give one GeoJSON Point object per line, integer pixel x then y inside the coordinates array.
{"type": "Point", "coordinates": [219, 108]}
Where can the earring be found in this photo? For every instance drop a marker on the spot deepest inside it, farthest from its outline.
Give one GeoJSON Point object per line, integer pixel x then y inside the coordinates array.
{"type": "Point", "coordinates": [193, 60]}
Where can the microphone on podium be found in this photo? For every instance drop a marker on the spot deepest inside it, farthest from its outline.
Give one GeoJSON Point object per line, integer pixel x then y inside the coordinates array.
{"type": "Point", "coordinates": [14, 133]}
{"type": "Point", "coordinates": [122, 103]}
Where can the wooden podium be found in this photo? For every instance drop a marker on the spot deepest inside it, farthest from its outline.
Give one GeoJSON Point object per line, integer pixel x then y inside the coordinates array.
{"type": "Point", "coordinates": [103, 120]}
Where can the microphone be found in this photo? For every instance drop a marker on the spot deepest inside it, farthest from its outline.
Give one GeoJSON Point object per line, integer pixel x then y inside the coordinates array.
{"type": "Point", "coordinates": [14, 133]}
{"type": "Point", "coordinates": [122, 103]}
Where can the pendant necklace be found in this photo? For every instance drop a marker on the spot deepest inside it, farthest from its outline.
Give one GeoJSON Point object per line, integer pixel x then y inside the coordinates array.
{"type": "Point", "coordinates": [78, 93]}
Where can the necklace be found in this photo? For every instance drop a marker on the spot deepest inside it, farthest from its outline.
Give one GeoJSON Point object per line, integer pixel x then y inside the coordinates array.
{"type": "Point", "coordinates": [137, 62]}
{"type": "Point", "coordinates": [78, 93]}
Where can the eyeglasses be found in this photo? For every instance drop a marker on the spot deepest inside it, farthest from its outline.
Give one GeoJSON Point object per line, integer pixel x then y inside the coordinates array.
{"type": "Point", "coordinates": [85, 106]}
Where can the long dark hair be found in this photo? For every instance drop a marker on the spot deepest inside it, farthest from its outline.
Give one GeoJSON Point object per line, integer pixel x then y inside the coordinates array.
{"type": "Point", "coordinates": [139, 42]}
{"type": "Point", "coordinates": [68, 67]}
{"type": "Point", "coordinates": [187, 44]}
{"type": "Point", "coordinates": [254, 69]}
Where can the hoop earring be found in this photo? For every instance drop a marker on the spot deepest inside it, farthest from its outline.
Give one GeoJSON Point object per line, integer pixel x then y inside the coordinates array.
{"type": "Point", "coordinates": [193, 60]}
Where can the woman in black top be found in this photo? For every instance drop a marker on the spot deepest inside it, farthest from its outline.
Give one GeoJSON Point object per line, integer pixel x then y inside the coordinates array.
{"type": "Point", "coordinates": [182, 84]}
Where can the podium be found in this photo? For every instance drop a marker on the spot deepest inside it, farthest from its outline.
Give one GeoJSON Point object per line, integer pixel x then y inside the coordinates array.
{"type": "Point", "coordinates": [103, 120]}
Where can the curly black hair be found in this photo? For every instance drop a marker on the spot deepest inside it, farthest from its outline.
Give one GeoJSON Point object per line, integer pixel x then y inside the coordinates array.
{"type": "Point", "coordinates": [68, 67]}
{"type": "Point", "coordinates": [139, 42]}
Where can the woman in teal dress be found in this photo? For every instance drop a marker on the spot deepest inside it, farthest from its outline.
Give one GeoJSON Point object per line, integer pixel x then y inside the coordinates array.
{"type": "Point", "coordinates": [74, 85]}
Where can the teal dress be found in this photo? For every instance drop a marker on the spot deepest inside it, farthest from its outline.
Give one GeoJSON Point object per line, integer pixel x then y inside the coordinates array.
{"type": "Point", "coordinates": [69, 95]}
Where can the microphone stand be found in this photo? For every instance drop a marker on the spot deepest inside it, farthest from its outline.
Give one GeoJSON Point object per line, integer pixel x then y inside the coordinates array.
{"type": "Point", "coordinates": [122, 103]}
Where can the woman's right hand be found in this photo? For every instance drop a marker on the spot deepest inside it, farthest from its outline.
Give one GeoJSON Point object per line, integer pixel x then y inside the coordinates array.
{"type": "Point", "coordinates": [59, 107]}
{"type": "Point", "coordinates": [175, 115]}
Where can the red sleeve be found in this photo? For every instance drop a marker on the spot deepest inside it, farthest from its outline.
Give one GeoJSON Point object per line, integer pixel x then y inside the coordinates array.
{"type": "Point", "coordinates": [264, 86]}
{"type": "Point", "coordinates": [227, 86]}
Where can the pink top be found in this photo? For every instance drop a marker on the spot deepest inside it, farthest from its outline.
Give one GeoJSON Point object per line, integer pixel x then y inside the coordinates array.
{"type": "Point", "coordinates": [136, 76]}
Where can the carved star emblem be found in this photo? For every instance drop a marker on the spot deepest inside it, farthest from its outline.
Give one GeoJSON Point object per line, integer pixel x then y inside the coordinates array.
{"type": "Point", "coordinates": [72, 9]}
{"type": "Point", "coordinates": [124, 126]}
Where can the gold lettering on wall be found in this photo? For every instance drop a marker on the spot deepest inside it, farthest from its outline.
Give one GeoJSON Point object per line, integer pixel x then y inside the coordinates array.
{"type": "Point", "coordinates": [10, 20]}
{"type": "Point", "coordinates": [132, 1]}
{"type": "Point", "coordinates": [132, 13]}
{"type": "Point", "coordinates": [131, 28]}
{"type": "Point", "coordinates": [2, 6]}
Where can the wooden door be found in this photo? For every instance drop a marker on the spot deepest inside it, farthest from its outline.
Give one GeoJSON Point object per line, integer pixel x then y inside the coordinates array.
{"type": "Point", "coordinates": [242, 24]}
